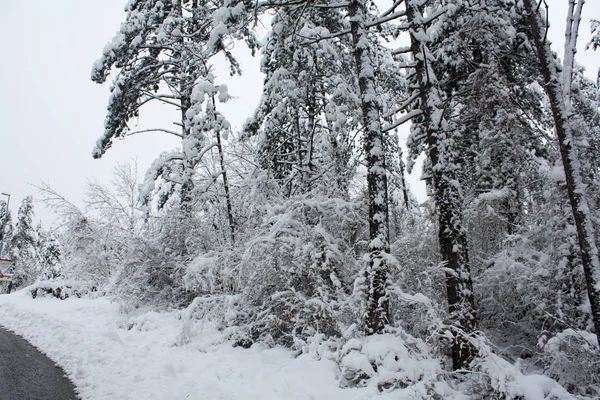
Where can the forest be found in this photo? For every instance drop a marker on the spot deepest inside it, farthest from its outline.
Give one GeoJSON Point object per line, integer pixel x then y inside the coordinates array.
{"type": "Point", "coordinates": [300, 230]}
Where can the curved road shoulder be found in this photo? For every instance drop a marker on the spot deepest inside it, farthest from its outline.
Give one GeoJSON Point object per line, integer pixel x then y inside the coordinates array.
{"type": "Point", "coordinates": [26, 373]}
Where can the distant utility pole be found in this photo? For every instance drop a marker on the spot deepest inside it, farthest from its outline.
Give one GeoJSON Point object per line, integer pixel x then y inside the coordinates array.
{"type": "Point", "coordinates": [7, 211]}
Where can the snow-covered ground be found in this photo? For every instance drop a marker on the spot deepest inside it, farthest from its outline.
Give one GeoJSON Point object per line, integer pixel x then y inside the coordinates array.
{"type": "Point", "coordinates": [111, 356]}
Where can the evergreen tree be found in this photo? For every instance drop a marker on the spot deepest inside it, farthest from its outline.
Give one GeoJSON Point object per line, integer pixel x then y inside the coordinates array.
{"type": "Point", "coordinates": [162, 51]}
{"type": "Point", "coordinates": [5, 227]}
{"type": "Point", "coordinates": [24, 237]}
{"type": "Point", "coordinates": [24, 245]}
{"type": "Point", "coordinates": [489, 73]}
{"type": "Point", "coordinates": [445, 158]}
{"type": "Point", "coordinates": [49, 253]}
{"type": "Point", "coordinates": [363, 47]}
{"type": "Point", "coordinates": [307, 111]}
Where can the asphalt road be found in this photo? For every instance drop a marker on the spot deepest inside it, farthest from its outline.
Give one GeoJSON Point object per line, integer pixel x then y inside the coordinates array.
{"type": "Point", "coordinates": [27, 374]}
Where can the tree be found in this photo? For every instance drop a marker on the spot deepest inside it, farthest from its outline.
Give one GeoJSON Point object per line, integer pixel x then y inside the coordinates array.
{"type": "Point", "coordinates": [559, 88]}
{"type": "Point", "coordinates": [24, 235]}
{"type": "Point", "coordinates": [49, 253]}
{"type": "Point", "coordinates": [307, 112]}
{"type": "Point", "coordinates": [489, 76]}
{"type": "Point", "coordinates": [163, 52]}
{"type": "Point", "coordinates": [377, 313]}
{"type": "Point", "coordinates": [364, 50]}
{"type": "Point", "coordinates": [445, 160]}
{"type": "Point", "coordinates": [24, 244]}
{"type": "Point", "coordinates": [5, 226]}
{"type": "Point", "coordinates": [92, 243]}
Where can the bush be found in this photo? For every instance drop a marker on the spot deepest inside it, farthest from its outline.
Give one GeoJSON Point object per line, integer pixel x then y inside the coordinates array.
{"type": "Point", "coordinates": [571, 358]}
{"type": "Point", "coordinates": [292, 273]}
{"type": "Point", "coordinates": [60, 289]}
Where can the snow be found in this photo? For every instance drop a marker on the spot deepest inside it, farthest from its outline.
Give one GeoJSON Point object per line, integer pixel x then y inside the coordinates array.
{"type": "Point", "coordinates": [508, 379]}
{"type": "Point", "coordinates": [109, 355]}
{"type": "Point", "coordinates": [164, 355]}
{"type": "Point", "coordinates": [557, 174]}
{"type": "Point", "coordinates": [496, 194]}
{"type": "Point", "coordinates": [223, 93]}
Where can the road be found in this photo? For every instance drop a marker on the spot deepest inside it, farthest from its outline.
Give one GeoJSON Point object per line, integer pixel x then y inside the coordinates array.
{"type": "Point", "coordinates": [27, 374]}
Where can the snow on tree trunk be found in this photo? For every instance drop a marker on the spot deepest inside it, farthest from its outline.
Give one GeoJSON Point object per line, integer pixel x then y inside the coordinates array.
{"type": "Point", "coordinates": [562, 112]}
{"type": "Point", "coordinates": [377, 313]}
{"type": "Point", "coordinates": [187, 187]}
{"type": "Point", "coordinates": [447, 194]}
{"type": "Point", "coordinates": [218, 134]}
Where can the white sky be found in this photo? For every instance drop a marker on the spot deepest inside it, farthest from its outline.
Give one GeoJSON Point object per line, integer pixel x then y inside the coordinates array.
{"type": "Point", "coordinates": [51, 113]}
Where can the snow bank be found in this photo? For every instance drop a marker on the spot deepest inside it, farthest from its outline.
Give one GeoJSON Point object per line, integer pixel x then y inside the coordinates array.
{"type": "Point", "coordinates": [110, 356]}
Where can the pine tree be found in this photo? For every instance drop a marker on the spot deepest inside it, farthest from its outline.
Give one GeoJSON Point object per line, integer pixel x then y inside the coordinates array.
{"type": "Point", "coordinates": [24, 244]}
{"type": "Point", "coordinates": [366, 53]}
{"type": "Point", "coordinates": [24, 236]}
{"type": "Point", "coordinates": [305, 116]}
{"type": "Point", "coordinates": [5, 227]}
{"type": "Point", "coordinates": [445, 159]}
{"type": "Point", "coordinates": [488, 73]}
{"type": "Point", "coordinates": [162, 51]}
{"type": "Point", "coordinates": [49, 252]}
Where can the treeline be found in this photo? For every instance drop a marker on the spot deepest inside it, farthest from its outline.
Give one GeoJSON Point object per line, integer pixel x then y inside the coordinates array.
{"type": "Point", "coordinates": [36, 251]}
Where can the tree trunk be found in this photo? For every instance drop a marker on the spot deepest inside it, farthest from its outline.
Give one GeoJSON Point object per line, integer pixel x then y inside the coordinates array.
{"type": "Point", "coordinates": [561, 112]}
{"type": "Point", "coordinates": [187, 187]}
{"type": "Point", "coordinates": [185, 98]}
{"type": "Point", "coordinates": [447, 195]}
{"type": "Point", "coordinates": [226, 186]}
{"type": "Point", "coordinates": [228, 202]}
{"type": "Point", "coordinates": [377, 313]}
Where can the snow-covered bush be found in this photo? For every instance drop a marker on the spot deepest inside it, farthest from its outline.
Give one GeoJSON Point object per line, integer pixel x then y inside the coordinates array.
{"type": "Point", "coordinates": [415, 271]}
{"type": "Point", "coordinates": [535, 285]}
{"type": "Point", "coordinates": [299, 267]}
{"type": "Point", "coordinates": [149, 277]}
{"type": "Point", "coordinates": [392, 361]}
{"type": "Point", "coordinates": [571, 358]}
{"type": "Point", "coordinates": [292, 273]}
{"type": "Point", "coordinates": [60, 288]}
{"type": "Point", "coordinates": [495, 378]}
{"type": "Point", "coordinates": [221, 312]}
{"type": "Point", "coordinates": [91, 251]}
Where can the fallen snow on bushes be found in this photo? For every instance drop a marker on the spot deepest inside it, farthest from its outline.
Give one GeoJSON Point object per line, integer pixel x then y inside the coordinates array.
{"type": "Point", "coordinates": [110, 355]}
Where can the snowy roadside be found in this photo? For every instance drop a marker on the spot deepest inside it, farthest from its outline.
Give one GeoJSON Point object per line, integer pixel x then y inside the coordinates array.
{"type": "Point", "coordinates": [112, 356]}
{"type": "Point", "coordinates": [90, 339]}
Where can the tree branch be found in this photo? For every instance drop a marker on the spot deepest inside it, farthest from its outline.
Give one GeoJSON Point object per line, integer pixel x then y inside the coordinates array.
{"type": "Point", "coordinates": [157, 130]}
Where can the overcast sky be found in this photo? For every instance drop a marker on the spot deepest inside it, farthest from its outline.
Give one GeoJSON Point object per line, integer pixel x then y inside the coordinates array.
{"type": "Point", "coordinates": [51, 113]}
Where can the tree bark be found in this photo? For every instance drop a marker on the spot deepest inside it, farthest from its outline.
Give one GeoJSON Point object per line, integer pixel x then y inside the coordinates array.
{"type": "Point", "coordinates": [230, 218]}
{"type": "Point", "coordinates": [447, 195]}
{"type": "Point", "coordinates": [377, 312]}
{"type": "Point", "coordinates": [562, 113]}
{"type": "Point", "coordinates": [187, 187]}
